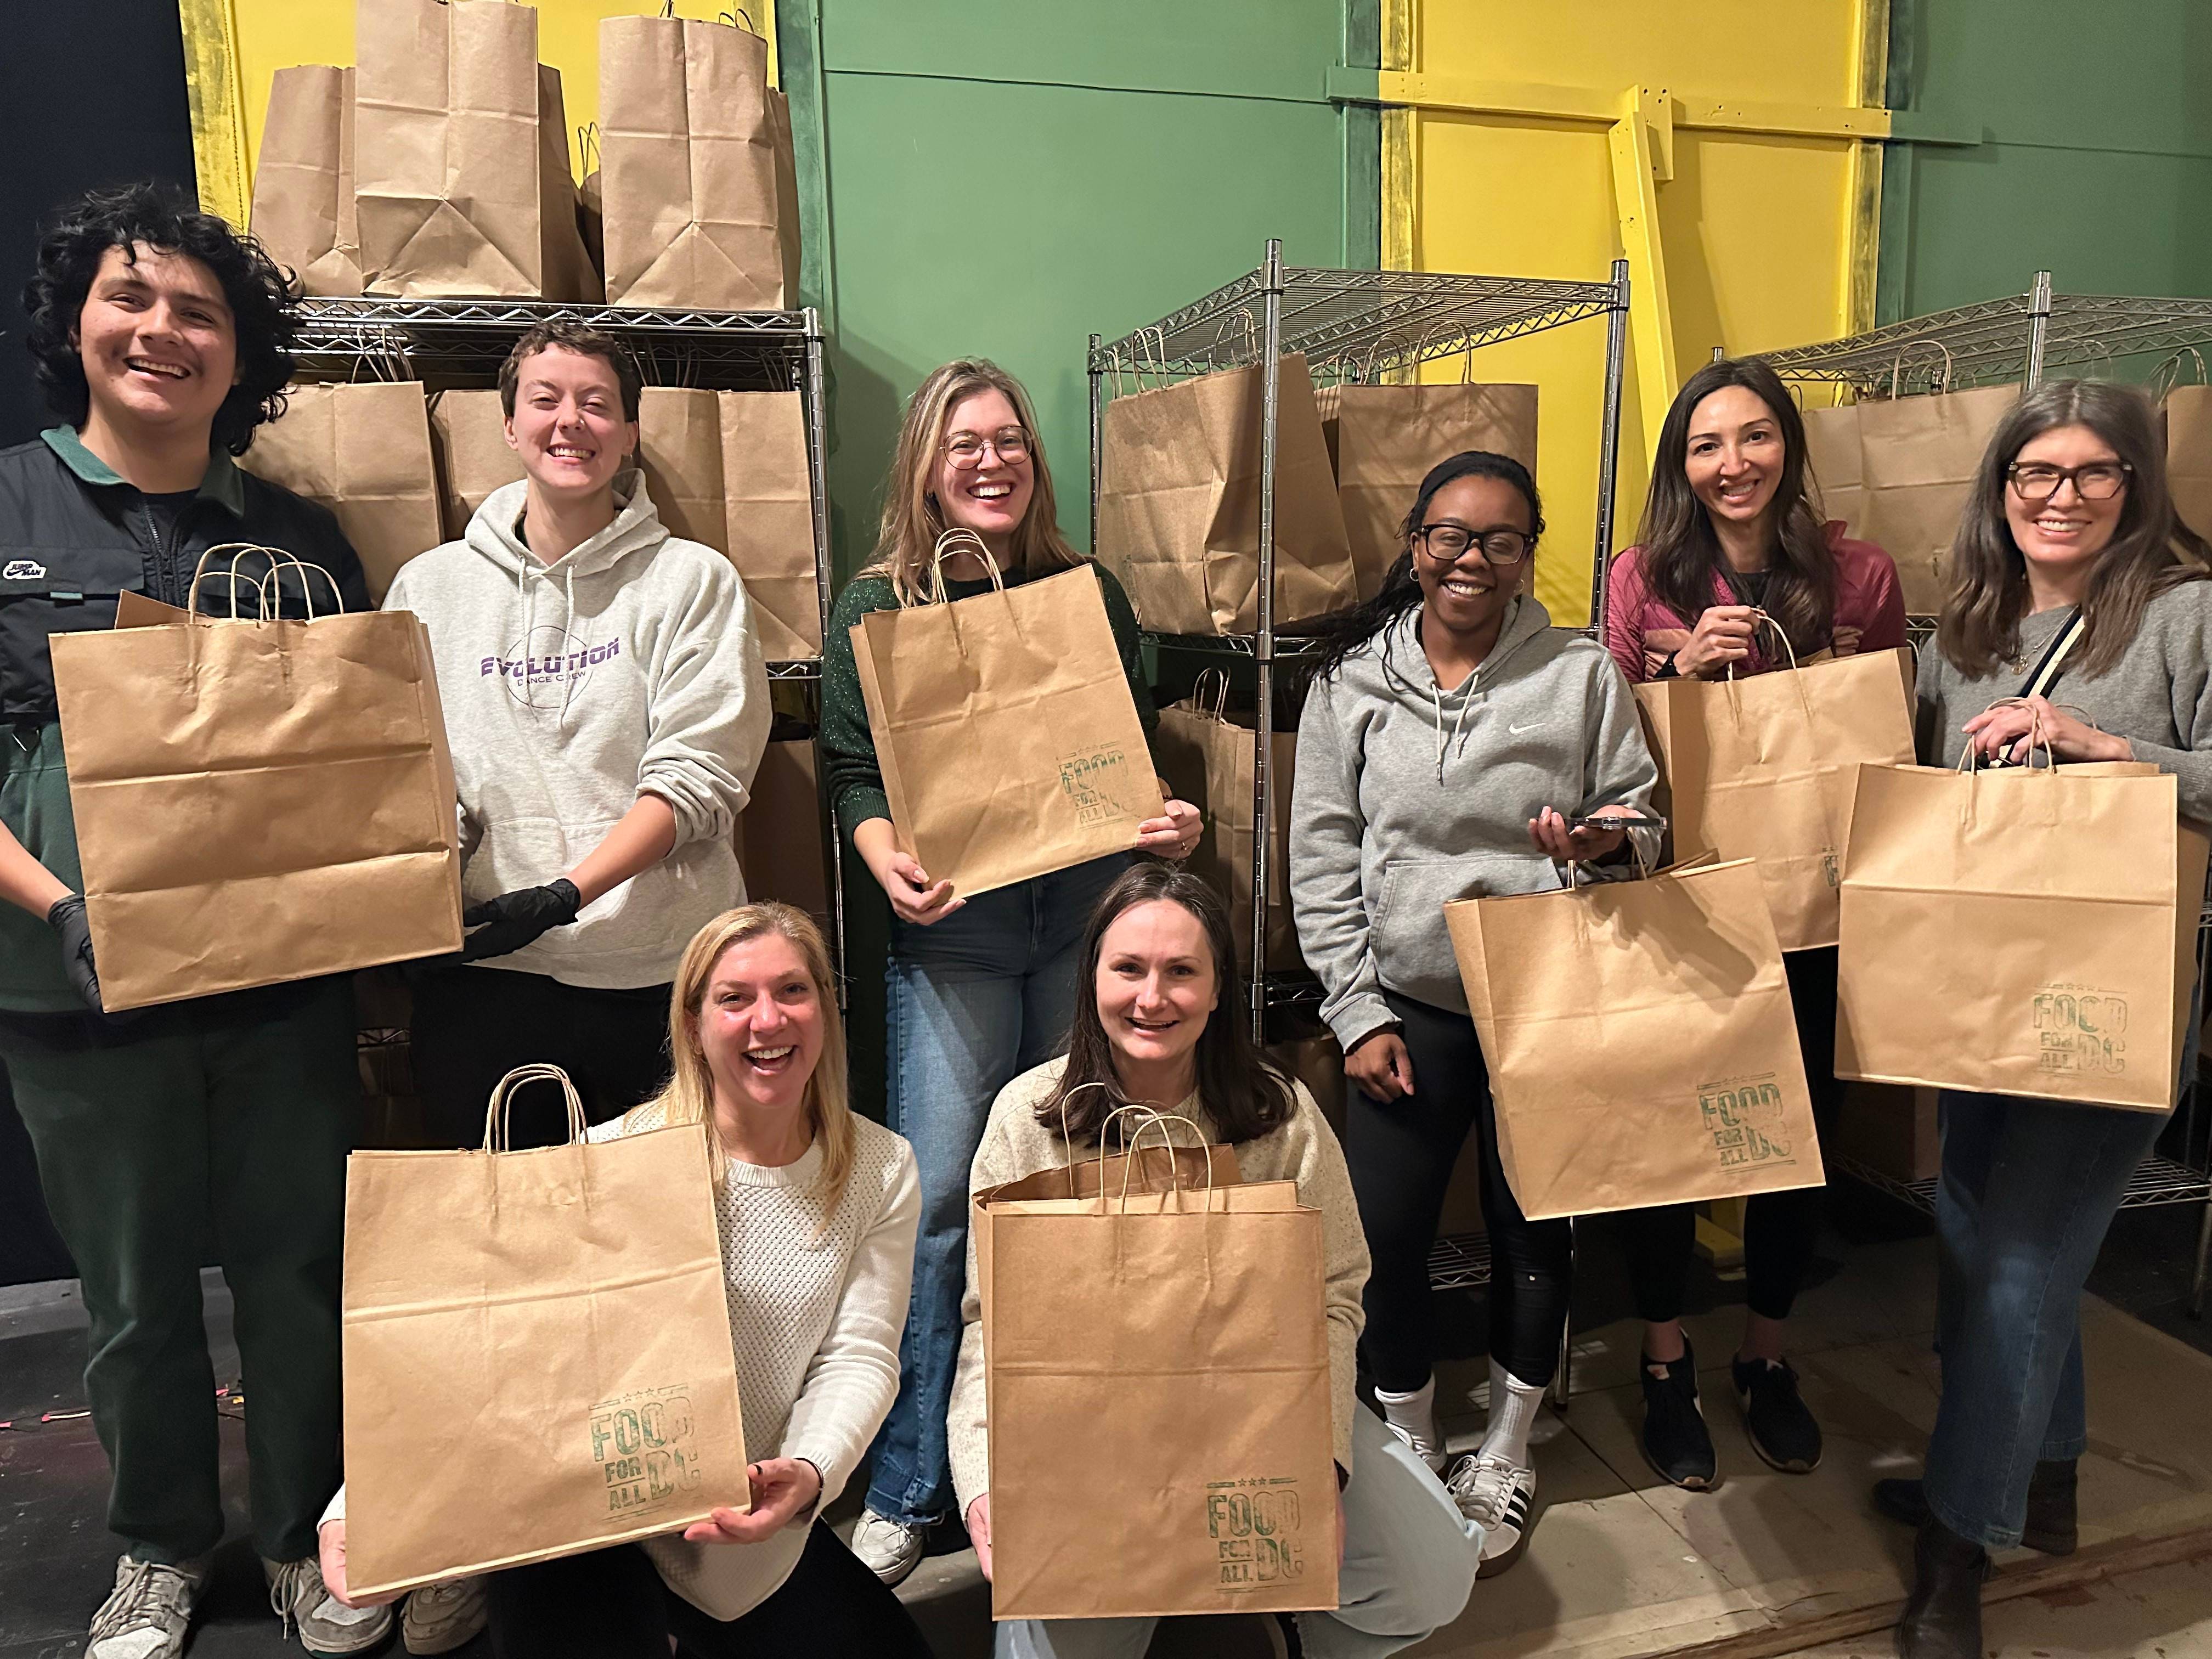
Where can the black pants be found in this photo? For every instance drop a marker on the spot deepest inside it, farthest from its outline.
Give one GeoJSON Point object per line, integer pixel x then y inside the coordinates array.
{"type": "Point", "coordinates": [1400, 1156]}
{"type": "Point", "coordinates": [474, 1025]}
{"type": "Point", "coordinates": [611, 1604]}
{"type": "Point", "coordinates": [1779, 1228]}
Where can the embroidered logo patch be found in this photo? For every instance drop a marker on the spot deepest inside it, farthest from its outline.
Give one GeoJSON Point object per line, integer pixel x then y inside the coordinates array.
{"type": "Point", "coordinates": [22, 570]}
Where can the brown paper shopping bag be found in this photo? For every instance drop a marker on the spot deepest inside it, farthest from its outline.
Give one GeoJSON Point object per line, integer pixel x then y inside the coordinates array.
{"type": "Point", "coordinates": [1907, 478]}
{"type": "Point", "coordinates": [1640, 1042]}
{"type": "Point", "coordinates": [766, 484]}
{"type": "Point", "coordinates": [468, 434]}
{"type": "Point", "coordinates": [556, 1375]}
{"type": "Point", "coordinates": [461, 154]}
{"type": "Point", "coordinates": [2189, 454]}
{"type": "Point", "coordinates": [303, 205]}
{"type": "Point", "coordinates": [1157, 1370]}
{"type": "Point", "coordinates": [691, 167]}
{"type": "Point", "coordinates": [780, 845]}
{"type": "Point", "coordinates": [680, 444]}
{"type": "Point", "coordinates": [1009, 742]}
{"type": "Point", "coordinates": [2020, 932]}
{"type": "Point", "coordinates": [1207, 759]}
{"type": "Point", "coordinates": [1764, 767]}
{"type": "Point", "coordinates": [1388, 437]}
{"type": "Point", "coordinates": [1179, 503]}
{"type": "Point", "coordinates": [362, 449]}
{"type": "Point", "coordinates": [238, 784]}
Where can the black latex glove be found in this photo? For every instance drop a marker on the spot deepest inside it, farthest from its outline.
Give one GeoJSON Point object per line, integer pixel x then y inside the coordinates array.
{"type": "Point", "coordinates": [513, 920]}
{"type": "Point", "coordinates": [67, 918]}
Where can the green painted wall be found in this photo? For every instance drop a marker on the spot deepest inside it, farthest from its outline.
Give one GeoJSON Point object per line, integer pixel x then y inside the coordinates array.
{"type": "Point", "coordinates": [1003, 180]}
{"type": "Point", "coordinates": [2076, 139]}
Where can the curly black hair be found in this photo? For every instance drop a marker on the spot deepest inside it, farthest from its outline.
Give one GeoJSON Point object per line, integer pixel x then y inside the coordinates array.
{"type": "Point", "coordinates": [260, 293]}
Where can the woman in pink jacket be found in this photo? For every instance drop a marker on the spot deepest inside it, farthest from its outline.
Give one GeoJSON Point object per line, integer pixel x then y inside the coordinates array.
{"type": "Point", "coordinates": [1733, 549]}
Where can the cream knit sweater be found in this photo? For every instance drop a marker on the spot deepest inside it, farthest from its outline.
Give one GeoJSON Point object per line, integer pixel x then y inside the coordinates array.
{"type": "Point", "coordinates": [1304, 1150]}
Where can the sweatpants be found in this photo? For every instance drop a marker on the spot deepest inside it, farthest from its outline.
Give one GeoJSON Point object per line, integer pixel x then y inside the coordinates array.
{"type": "Point", "coordinates": [213, 1129]}
{"type": "Point", "coordinates": [611, 1604]}
{"type": "Point", "coordinates": [473, 1025]}
{"type": "Point", "coordinates": [1780, 1229]}
{"type": "Point", "coordinates": [1401, 1155]}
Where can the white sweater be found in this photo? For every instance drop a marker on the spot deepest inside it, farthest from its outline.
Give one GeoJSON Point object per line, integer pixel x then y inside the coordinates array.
{"type": "Point", "coordinates": [815, 1316]}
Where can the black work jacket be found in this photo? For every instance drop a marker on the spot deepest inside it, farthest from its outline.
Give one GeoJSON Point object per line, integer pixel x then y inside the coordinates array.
{"type": "Point", "coordinates": [73, 536]}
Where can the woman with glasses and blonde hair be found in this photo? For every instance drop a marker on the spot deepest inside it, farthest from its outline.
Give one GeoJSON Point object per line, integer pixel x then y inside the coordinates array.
{"type": "Point", "coordinates": [1735, 573]}
{"type": "Point", "coordinates": [816, 1209]}
{"type": "Point", "coordinates": [2070, 560]}
{"type": "Point", "coordinates": [981, 987]}
{"type": "Point", "coordinates": [1453, 745]}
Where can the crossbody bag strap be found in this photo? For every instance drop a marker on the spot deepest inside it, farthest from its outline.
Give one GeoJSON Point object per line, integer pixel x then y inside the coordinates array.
{"type": "Point", "coordinates": [2052, 666]}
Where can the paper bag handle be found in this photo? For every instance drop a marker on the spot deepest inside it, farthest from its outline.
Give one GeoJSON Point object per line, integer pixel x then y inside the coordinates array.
{"type": "Point", "coordinates": [1160, 1120]}
{"type": "Point", "coordinates": [2168, 374]}
{"type": "Point", "coordinates": [495, 1123]}
{"type": "Point", "coordinates": [268, 589]}
{"type": "Point", "coordinates": [1218, 678]}
{"type": "Point", "coordinates": [952, 541]}
{"type": "Point", "coordinates": [1758, 618]}
{"type": "Point", "coordinates": [1897, 366]}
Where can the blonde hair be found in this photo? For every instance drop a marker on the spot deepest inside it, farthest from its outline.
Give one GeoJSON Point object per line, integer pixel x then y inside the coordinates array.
{"type": "Point", "coordinates": [689, 1095]}
{"type": "Point", "coordinates": [913, 520]}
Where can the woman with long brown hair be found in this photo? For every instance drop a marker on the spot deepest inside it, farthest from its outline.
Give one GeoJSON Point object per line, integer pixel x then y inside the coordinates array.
{"type": "Point", "coordinates": [815, 1209]}
{"type": "Point", "coordinates": [1735, 573]}
{"type": "Point", "coordinates": [979, 988]}
{"type": "Point", "coordinates": [2070, 561]}
{"type": "Point", "coordinates": [1157, 1023]}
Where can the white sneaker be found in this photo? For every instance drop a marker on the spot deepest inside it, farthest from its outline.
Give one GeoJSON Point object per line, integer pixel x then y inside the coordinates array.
{"type": "Point", "coordinates": [889, 1549]}
{"type": "Point", "coordinates": [325, 1624]}
{"type": "Point", "coordinates": [439, 1617]}
{"type": "Point", "coordinates": [1499, 1497]}
{"type": "Point", "coordinates": [1426, 1442]}
{"type": "Point", "coordinates": [147, 1614]}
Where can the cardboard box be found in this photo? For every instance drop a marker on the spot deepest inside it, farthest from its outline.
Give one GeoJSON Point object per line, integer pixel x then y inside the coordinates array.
{"type": "Point", "coordinates": [1889, 1127]}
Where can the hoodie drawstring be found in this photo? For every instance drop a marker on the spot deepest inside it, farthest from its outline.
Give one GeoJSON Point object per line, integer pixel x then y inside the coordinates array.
{"type": "Point", "coordinates": [568, 632]}
{"type": "Point", "coordinates": [1458, 721]}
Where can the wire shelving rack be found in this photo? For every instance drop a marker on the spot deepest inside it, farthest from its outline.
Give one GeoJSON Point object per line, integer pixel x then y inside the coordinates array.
{"type": "Point", "coordinates": [1348, 325]}
{"type": "Point", "coordinates": [448, 343]}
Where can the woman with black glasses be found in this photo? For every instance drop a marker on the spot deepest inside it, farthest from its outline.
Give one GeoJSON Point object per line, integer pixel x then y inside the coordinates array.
{"type": "Point", "coordinates": [1453, 745]}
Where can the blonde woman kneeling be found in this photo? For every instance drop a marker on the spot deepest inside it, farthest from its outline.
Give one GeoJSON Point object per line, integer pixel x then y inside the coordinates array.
{"type": "Point", "coordinates": [1155, 959]}
{"type": "Point", "coordinates": [817, 1211]}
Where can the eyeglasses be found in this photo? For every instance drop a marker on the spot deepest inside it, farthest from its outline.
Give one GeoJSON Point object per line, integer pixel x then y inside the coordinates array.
{"type": "Point", "coordinates": [1448, 543]}
{"type": "Point", "coordinates": [965, 450]}
{"type": "Point", "coordinates": [2098, 481]}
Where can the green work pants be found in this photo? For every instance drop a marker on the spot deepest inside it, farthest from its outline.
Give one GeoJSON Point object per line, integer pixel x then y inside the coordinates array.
{"type": "Point", "coordinates": [215, 1130]}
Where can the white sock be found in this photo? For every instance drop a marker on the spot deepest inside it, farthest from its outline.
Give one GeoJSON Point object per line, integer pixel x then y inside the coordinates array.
{"type": "Point", "coordinates": [1512, 1413]}
{"type": "Point", "coordinates": [1414, 1413]}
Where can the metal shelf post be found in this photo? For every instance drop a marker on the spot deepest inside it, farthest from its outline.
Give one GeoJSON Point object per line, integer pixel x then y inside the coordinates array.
{"type": "Point", "coordinates": [1608, 445]}
{"type": "Point", "coordinates": [2039, 327]}
{"type": "Point", "coordinates": [1271, 354]}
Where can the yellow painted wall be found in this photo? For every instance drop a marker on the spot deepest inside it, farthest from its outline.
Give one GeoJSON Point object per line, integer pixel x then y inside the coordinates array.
{"type": "Point", "coordinates": [1757, 230]}
{"type": "Point", "coordinates": [274, 34]}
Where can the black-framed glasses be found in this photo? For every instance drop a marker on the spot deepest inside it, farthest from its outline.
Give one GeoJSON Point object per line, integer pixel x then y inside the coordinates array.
{"type": "Point", "coordinates": [1447, 543]}
{"type": "Point", "coordinates": [2095, 481]}
{"type": "Point", "coordinates": [965, 449]}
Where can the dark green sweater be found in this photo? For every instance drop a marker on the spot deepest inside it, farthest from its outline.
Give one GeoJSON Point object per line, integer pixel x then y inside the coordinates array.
{"type": "Point", "coordinates": [848, 749]}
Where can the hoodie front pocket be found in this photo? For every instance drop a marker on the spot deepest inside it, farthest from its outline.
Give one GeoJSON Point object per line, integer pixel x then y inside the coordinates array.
{"type": "Point", "coordinates": [1410, 944]}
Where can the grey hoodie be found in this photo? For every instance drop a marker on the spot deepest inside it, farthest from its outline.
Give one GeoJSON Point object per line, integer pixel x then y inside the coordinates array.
{"type": "Point", "coordinates": [630, 666]}
{"type": "Point", "coordinates": [1408, 795]}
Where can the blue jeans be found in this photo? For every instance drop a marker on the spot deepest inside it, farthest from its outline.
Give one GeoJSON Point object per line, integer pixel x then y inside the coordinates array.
{"type": "Point", "coordinates": [2029, 1188]}
{"type": "Point", "coordinates": [1409, 1561]}
{"type": "Point", "coordinates": [975, 1000]}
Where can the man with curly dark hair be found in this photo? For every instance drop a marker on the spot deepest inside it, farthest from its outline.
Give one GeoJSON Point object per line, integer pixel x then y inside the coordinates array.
{"type": "Point", "coordinates": [218, 1124]}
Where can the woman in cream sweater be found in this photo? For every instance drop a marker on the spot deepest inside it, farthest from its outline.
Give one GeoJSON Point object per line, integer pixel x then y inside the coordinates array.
{"type": "Point", "coordinates": [1156, 960]}
{"type": "Point", "coordinates": [816, 1210]}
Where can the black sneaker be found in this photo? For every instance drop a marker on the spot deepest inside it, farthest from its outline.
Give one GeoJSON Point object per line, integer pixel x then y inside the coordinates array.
{"type": "Point", "coordinates": [1676, 1443]}
{"type": "Point", "coordinates": [1781, 1429]}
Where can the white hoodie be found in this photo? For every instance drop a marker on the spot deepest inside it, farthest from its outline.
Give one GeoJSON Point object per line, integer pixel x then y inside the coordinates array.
{"type": "Point", "coordinates": [629, 667]}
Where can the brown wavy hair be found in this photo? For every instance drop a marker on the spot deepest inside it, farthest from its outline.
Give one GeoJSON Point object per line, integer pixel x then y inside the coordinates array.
{"type": "Point", "coordinates": [2151, 549]}
{"type": "Point", "coordinates": [689, 1095]}
{"type": "Point", "coordinates": [1680, 553]}
{"type": "Point", "coordinates": [1244, 1093]}
{"type": "Point", "coordinates": [913, 520]}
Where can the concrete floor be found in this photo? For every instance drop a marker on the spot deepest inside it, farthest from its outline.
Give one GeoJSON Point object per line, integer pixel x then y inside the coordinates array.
{"type": "Point", "coordinates": [1620, 1566]}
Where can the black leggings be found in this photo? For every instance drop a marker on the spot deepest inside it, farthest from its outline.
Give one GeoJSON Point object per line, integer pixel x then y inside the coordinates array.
{"type": "Point", "coordinates": [1400, 1156]}
{"type": "Point", "coordinates": [611, 1604]}
{"type": "Point", "coordinates": [1779, 1228]}
{"type": "Point", "coordinates": [474, 1025]}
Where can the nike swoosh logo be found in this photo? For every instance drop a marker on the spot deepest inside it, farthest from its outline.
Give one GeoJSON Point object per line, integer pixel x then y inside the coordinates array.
{"type": "Point", "coordinates": [1517, 730]}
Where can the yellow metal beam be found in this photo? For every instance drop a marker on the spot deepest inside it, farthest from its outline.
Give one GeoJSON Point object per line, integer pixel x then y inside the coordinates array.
{"type": "Point", "coordinates": [1470, 95]}
{"type": "Point", "coordinates": [1635, 201]}
{"type": "Point", "coordinates": [219, 156]}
